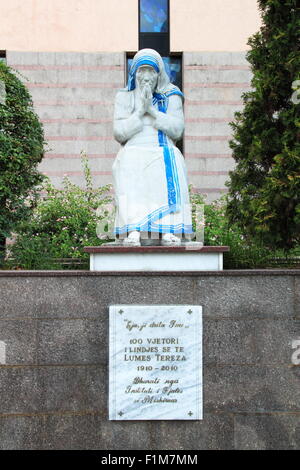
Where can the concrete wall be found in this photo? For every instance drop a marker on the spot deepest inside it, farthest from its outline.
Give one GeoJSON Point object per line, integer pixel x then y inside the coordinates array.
{"type": "Point", "coordinates": [73, 94]}
{"type": "Point", "coordinates": [53, 382]}
{"type": "Point", "coordinates": [98, 25]}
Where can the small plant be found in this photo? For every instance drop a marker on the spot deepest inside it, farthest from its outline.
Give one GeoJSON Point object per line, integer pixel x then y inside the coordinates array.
{"type": "Point", "coordinates": [63, 222]}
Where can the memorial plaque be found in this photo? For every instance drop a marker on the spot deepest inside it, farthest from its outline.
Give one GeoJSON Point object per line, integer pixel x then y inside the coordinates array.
{"type": "Point", "coordinates": [155, 366]}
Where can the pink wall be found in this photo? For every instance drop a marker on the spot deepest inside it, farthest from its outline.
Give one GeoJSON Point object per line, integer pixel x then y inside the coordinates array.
{"type": "Point", "coordinates": [212, 25]}
{"type": "Point", "coordinates": [68, 25]}
{"type": "Point", "coordinates": [112, 25]}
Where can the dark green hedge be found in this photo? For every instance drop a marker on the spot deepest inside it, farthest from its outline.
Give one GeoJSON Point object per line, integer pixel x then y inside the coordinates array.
{"type": "Point", "coordinates": [21, 149]}
{"type": "Point", "coordinates": [264, 188]}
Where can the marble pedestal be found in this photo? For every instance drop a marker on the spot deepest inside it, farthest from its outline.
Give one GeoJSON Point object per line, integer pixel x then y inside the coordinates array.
{"type": "Point", "coordinates": [156, 258]}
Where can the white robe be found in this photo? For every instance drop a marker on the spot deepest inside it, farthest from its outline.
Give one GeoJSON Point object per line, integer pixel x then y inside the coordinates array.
{"type": "Point", "coordinates": [150, 180]}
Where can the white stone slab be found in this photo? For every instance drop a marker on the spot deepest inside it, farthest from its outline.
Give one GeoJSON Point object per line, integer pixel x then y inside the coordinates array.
{"type": "Point", "coordinates": [155, 362]}
{"type": "Point", "coordinates": [185, 261]}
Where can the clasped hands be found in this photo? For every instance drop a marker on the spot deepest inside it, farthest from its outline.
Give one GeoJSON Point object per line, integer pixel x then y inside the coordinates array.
{"type": "Point", "coordinates": [144, 104]}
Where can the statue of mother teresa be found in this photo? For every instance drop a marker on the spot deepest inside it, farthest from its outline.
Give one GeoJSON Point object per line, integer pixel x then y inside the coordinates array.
{"type": "Point", "coordinates": [149, 171]}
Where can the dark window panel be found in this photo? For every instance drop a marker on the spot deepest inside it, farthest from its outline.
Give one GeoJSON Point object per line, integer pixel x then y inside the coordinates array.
{"type": "Point", "coordinates": [158, 41]}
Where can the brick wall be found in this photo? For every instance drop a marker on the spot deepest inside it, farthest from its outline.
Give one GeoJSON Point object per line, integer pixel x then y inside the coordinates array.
{"type": "Point", "coordinates": [53, 381]}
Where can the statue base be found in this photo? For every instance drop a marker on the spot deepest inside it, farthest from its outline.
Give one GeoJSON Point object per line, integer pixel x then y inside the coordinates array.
{"type": "Point", "coordinates": [184, 258]}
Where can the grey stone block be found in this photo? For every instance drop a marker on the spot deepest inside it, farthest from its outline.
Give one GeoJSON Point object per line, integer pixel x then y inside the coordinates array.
{"type": "Point", "coordinates": [214, 432]}
{"type": "Point", "coordinates": [208, 128]}
{"type": "Point", "coordinates": [254, 388]}
{"type": "Point", "coordinates": [270, 296]}
{"type": "Point", "coordinates": [84, 58]}
{"type": "Point", "coordinates": [73, 94]}
{"type": "Point", "coordinates": [75, 76]}
{"type": "Point", "coordinates": [21, 58]}
{"type": "Point", "coordinates": [89, 431]}
{"type": "Point", "coordinates": [87, 76]}
{"type": "Point", "coordinates": [19, 390]}
{"type": "Point", "coordinates": [267, 432]}
{"type": "Point", "coordinates": [206, 146]}
{"type": "Point", "coordinates": [21, 432]}
{"type": "Point", "coordinates": [129, 435]}
{"type": "Point", "coordinates": [89, 147]}
{"type": "Point", "coordinates": [55, 297]}
{"type": "Point", "coordinates": [73, 341]}
{"type": "Point", "coordinates": [71, 432]}
{"type": "Point", "coordinates": [215, 58]}
{"type": "Point", "coordinates": [244, 341]}
{"type": "Point", "coordinates": [207, 181]}
{"type": "Point", "coordinates": [210, 164]}
{"type": "Point", "coordinates": [195, 93]}
{"type": "Point", "coordinates": [66, 165]}
{"type": "Point", "coordinates": [97, 180]}
{"type": "Point", "coordinates": [69, 58]}
{"type": "Point", "coordinates": [84, 111]}
{"type": "Point", "coordinates": [104, 58]}
{"type": "Point", "coordinates": [46, 58]}
{"type": "Point", "coordinates": [19, 337]}
{"type": "Point", "coordinates": [217, 76]}
{"type": "Point", "coordinates": [80, 129]}
{"type": "Point", "coordinates": [211, 111]}
{"type": "Point", "coordinates": [73, 388]}
{"type": "Point", "coordinates": [154, 290]}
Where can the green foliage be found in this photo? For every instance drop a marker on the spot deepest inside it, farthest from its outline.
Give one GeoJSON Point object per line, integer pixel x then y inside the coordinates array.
{"type": "Point", "coordinates": [21, 149]}
{"type": "Point", "coordinates": [264, 188]}
{"type": "Point", "coordinates": [63, 222]}
{"type": "Point", "coordinates": [244, 252]}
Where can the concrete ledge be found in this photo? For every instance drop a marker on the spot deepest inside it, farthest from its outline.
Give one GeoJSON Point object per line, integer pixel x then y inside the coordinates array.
{"type": "Point", "coordinates": [205, 273]}
{"type": "Point", "coordinates": [155, 249]}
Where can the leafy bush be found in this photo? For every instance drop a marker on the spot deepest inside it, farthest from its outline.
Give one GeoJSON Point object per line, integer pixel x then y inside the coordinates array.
{"type": "Point", "coordinates": [63, 222]}
{"type": "Point", "coordinates": [21, 149]}
{"type": "Point", "coordinates": [264, 187]}
{"type": "Point", "coordinates": [244, 253]}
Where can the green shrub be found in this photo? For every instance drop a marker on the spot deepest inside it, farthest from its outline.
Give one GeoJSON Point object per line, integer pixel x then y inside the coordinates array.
{"type": "Point", "coordinates": [244, 253]}
{"type": "Point", "coordinates": [21, 149]}
{"type": "Point", "coordinates": [264, 187]}
{"type": "Point", "coordinates": [63, 222]}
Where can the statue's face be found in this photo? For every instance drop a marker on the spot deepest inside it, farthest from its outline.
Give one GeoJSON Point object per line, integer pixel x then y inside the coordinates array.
{"type": "Point", "coordinates": [146, 75]}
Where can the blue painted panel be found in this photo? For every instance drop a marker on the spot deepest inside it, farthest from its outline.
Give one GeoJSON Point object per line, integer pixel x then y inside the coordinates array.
{"type": "Point", "coordinates": [153, 16]}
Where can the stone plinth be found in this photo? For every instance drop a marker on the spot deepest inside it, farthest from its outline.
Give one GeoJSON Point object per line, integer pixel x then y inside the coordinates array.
{"type": "Point", "coordinates": [156, 258]}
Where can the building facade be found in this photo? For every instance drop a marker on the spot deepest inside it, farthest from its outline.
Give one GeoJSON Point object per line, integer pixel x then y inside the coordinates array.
{"type": "Point", "coordinates": [73, 56]}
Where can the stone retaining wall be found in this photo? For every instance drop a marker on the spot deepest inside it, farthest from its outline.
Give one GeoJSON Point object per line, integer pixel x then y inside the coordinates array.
{"type": "Point", "coordinates": [54, 353]}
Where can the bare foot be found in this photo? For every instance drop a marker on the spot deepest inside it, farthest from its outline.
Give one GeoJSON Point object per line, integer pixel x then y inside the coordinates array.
{"type": "Point", "coordinates": [133, 239]}
{"type": "Point", "coordinates": [169, 239]}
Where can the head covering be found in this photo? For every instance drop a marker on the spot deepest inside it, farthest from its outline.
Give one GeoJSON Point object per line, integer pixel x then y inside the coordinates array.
{"type": "Point", "coordinates": [153, 59]}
